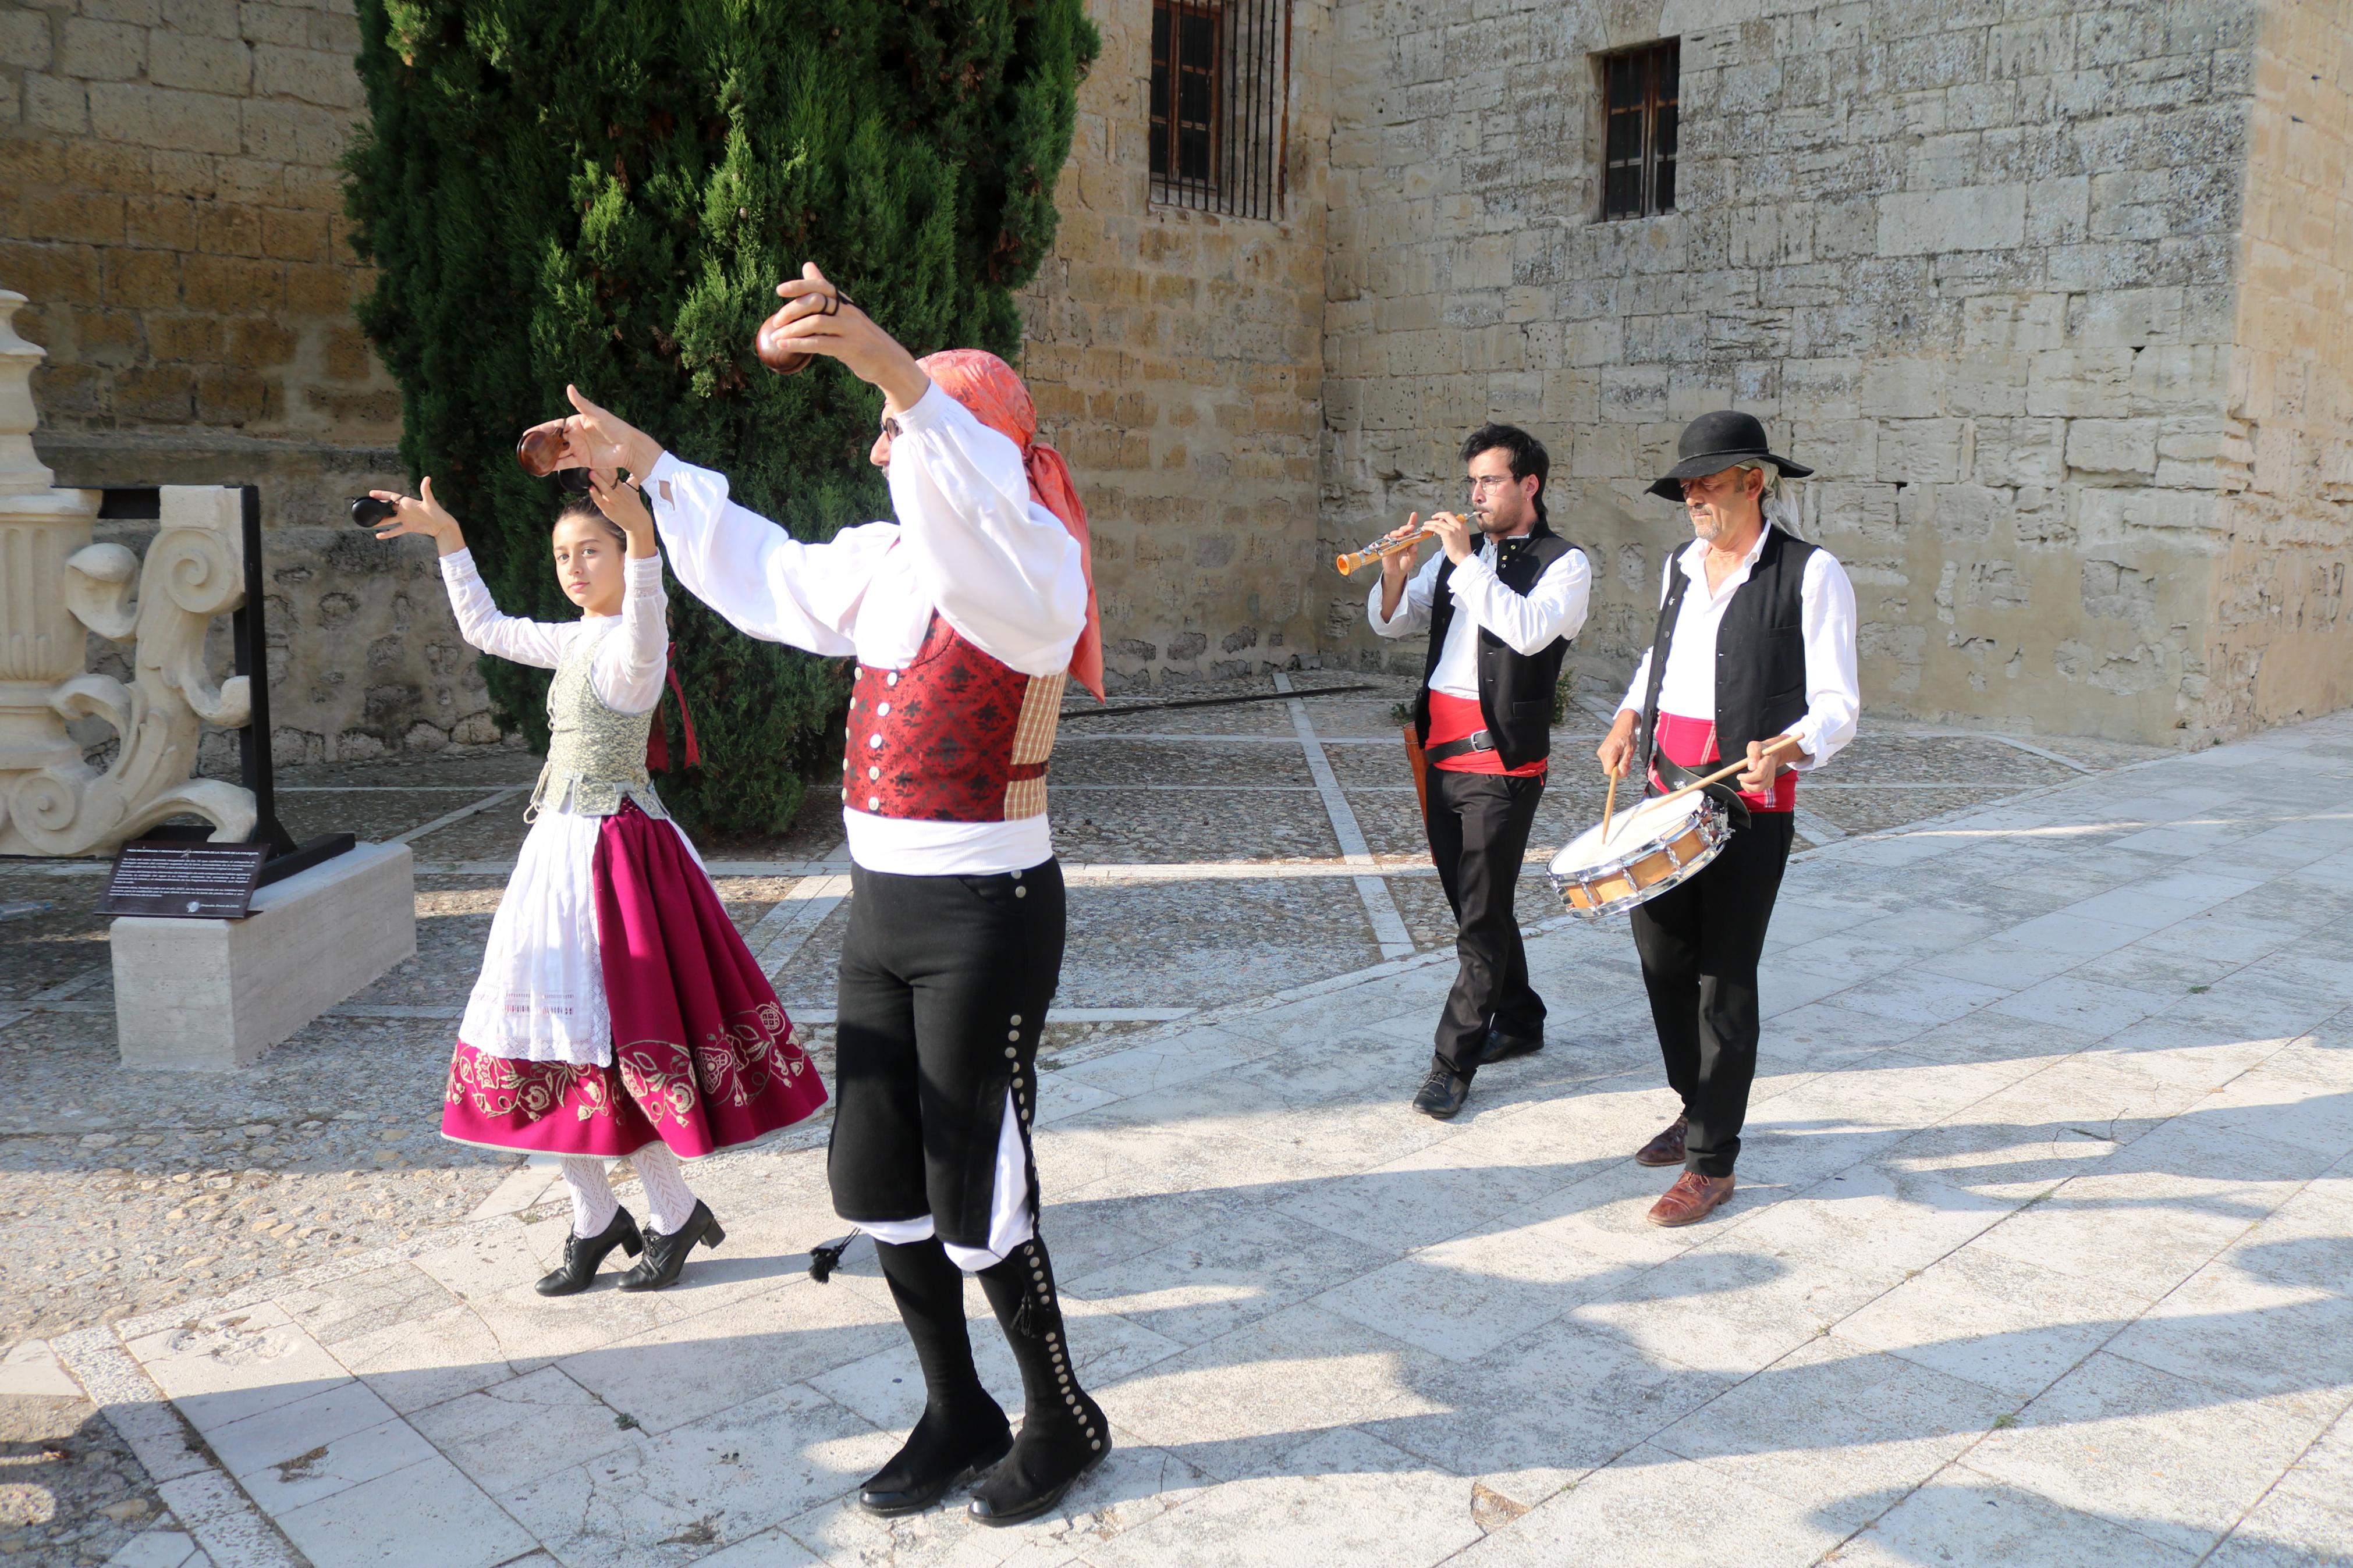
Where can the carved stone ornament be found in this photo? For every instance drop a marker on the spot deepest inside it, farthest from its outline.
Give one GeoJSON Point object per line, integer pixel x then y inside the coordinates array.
{"type": "Point", "coordinates": [54, 582]}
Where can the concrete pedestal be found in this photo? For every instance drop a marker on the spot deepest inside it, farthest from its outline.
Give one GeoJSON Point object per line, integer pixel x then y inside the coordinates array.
{"type": "Point", "coordinates": [209, 996]}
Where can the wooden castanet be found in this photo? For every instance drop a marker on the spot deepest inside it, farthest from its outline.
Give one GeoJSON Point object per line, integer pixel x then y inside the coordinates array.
{"type": "Point", "coordinates": [541, 451]}
{"type": "Point", "coordinates": [769, 342]}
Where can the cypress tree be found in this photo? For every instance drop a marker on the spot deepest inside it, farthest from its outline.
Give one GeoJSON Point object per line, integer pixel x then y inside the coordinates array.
{"type": "Point", "coordinates": [605, 191]}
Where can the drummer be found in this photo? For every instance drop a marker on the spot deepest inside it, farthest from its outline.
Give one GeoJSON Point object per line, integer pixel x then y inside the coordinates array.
{"type": "Point", "coordinates": [1500, 607]}
{"type": "Point", "coordinates": [1754, 656]}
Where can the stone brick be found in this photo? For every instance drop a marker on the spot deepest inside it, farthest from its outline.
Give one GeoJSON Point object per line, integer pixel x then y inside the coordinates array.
{"type": "Point", "coordinates": [24, 39]}
{"type": "Point", "coordinates": [1975, 217]}
{"type": "Point", "coordinates": [160, 395]}
{"type": "Point", "coordinates": [231, 285]}
{"type": "Point", "coordinates": [318, 290]}
{"type": "Point", "coordinates": [140, 280]}
{"type": "Point", "coordinates": [266, 24]}
{"type": "Point", "coordinates": [162, 117]}
{"type": "Point", "coordinates": [310, 75]}
{"type": "Point", "coordinates": [293, 133]}
{"type": "Point", "coordinates": [225, 228]}
{"type": "Point", "coordinates": [259, 343]}
{"type": "Point", "coordinates": [207, 64]}
{"type": "Point", "coordinates": [137, 13]}
{"type": "Point", "coordinates": [100, 51]}
{"type": "Point", "coordinates": [33, 160]}
{"type": "Point", "coordinates": [50, 274]}
{"type": "Point", "coordinates": [232, 398]}
{"type": "Point", "coordinates": [184, 338]}
{"type": "Point", "coordinates": [110, 166]}
{"type": "Point", "coordinates": [2112, 447]}
{"type": "Point", "coordinates": [69, 215]}
{"type": "Point", "coordinates": [201, 18]}
{"type": "Point", "coordinates": [57, 103]}
{"type": "Point", "coordinates": [168, 223]}
{"type": "Point", "coordinates": [294, 235]}
{"type": "Point", "coordinates": [107, 339]}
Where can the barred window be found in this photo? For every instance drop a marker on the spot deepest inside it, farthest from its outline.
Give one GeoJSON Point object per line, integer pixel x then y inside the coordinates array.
{"type": "Point", "coordinates": [1219, 111]}
{"type": "Point", "coordinates": [1638, 156]}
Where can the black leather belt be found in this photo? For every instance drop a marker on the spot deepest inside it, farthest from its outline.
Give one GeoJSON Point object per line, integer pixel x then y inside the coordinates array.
{"type": "Point", "coordinates": [1479, 741]}
{"type": "Point", "coordinates": [1674, 775]}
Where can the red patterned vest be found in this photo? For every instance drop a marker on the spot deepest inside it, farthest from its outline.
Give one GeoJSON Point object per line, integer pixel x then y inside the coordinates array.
{"type": "Point", "coordinates": [956, 736]}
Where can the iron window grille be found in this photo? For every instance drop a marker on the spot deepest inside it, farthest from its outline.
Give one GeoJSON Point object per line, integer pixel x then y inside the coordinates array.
{"type": "Point", "coordinates": [1219, 109]}
{"type": "Point", "coordinates": [1638, 157]}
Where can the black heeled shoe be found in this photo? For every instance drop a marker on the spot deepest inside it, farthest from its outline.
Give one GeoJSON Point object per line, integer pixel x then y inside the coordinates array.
{"type": "Point", "coordinates": [584, 1255]}
{"type": "Point", "coordinates": [928, 1467]}
{"type": "Point", "coordinates": [666, 1255]}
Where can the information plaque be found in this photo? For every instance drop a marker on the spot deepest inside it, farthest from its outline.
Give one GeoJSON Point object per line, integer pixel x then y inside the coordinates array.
{"type": "Point", "coordinates": [159, 877]}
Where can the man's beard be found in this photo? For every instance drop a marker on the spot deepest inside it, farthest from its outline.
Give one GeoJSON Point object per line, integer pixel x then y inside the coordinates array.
{"type": "Point", "coordinates": [1709, 530]}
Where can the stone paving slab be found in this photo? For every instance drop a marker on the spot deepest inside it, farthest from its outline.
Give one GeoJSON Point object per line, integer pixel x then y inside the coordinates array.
{"type": "Point", "coordinates": [2044, 1254]}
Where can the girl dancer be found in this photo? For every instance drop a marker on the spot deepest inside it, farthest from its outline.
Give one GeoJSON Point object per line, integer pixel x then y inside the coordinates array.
{"type": "Point", "coordinates": [618, 1013]}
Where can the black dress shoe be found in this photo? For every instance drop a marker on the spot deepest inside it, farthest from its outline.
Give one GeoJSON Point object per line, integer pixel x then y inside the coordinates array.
{"type": "Point", "coordinates": [1045, 1463]}
{"type": "Point", "coordinates": [929, 1464]}
{"type": "Point", "coordinates": [583, 1254]}
{"type": "Point", "coordinates": [666, 1255]}
{"type": "Point", "coordinates": [1443, 1091]}
{"type": "Point", "coordinates": [1503, 1048]}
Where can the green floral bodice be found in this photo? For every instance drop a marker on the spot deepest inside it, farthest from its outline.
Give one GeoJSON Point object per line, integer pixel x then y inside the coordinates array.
{"type": "Point", "coordinates": [596, 757]}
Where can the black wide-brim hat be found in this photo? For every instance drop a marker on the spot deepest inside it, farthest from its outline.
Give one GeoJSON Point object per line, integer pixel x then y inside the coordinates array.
{"type": "Point", "coordinates": [1714, 442]}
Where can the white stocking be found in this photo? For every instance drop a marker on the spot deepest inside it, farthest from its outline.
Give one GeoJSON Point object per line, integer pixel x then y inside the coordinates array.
{"type": "Point", "coordinates": [670, 1202]}
{"type": "Point", "coordinates": [592, 1195]}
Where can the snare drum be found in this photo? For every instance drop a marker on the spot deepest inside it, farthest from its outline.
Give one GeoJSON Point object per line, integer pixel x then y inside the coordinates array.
{"type": "Point", "coordinates": [1655, 846]}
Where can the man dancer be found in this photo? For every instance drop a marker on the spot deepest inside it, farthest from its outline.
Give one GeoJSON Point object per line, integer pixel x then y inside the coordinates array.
{"type": "Point", "coordinates": [963, 616]}
{"type": "Point", "coordinates": [1500, 615]}
{"type": "Point", "coordinates": [1754, 656]}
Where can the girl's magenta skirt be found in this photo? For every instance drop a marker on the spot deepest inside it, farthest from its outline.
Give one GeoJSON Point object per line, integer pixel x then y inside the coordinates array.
{"type": "Point", "coordinates": [703, 1056]}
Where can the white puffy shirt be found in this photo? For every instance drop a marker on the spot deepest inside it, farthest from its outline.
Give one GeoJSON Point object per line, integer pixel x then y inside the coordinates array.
{"type": "Point", "coordinates": [969, 544]}
{"type": "Point", "coordinates": [1554, 606]}
{"type": "Point", "coordinates": [1833, 698]}
{"type": "Point", "coordinates": [627, 671]}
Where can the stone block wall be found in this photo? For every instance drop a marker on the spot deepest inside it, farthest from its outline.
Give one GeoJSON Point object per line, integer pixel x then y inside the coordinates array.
{"type": "Point", "coordinates": [170, 203]}
{"type": "Point", "coordinates": [2280, 643]}
{"type": "Point", "coordinates": [1973, 261]}
{"type": "Point", "coordinates": [1176, 359]}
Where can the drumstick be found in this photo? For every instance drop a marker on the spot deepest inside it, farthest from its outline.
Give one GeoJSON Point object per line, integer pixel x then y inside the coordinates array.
{"type": "Point", "coordinates": [1724, 772]}
{"type": "Point", "coordinates": [1608, 805]}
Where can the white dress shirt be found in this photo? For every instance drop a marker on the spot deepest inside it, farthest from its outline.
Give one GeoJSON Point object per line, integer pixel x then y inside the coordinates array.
{"type": "Point", "coordinates": [970, 543]}
{"type": "Point", "coordinates": [626, 672]}
{"type": "Point", "coordinates": [1553, 607]}
{"type": "Point", "coordinates": [1827, 614]}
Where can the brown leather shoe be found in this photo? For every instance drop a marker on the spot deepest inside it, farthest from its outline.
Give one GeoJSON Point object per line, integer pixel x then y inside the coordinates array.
{"type": "Point", "coordinates": [1691, 1199]}
{"type": "Point", "coordinates": [1667, 1148]}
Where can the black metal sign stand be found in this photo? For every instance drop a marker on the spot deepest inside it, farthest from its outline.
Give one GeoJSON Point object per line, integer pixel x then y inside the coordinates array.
{"type": "Point", "coordinates": [253, 760]}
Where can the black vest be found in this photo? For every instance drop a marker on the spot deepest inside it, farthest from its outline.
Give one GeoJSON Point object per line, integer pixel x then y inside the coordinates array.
{"type": "Point", "coordinates": [1760, 650]}
{"type": "Point", "coordinates": [1514, 689]}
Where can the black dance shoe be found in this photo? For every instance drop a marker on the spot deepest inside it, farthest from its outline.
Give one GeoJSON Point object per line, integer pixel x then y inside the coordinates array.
{"type": "Point", "coordinates": [666, 1255]}
{"type": "Point", "coordinates": [935, 1460]}
{"type": "Point", "coordinates": [1443, 1093]}
{"type": "Point", "coordinates": [583, 1254]}
{"type": "Point", "coordinates": [1503, 1048]}
{"type": "Point", "coordinates": [1047, 1460]}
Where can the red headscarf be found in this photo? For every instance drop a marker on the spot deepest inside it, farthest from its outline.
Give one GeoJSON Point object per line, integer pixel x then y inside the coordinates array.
{"type": "Point", "coordinates": [989, 388]}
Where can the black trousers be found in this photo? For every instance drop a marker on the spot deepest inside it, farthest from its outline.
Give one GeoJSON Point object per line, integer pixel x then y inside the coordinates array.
{"type": "Point", "coordinates": [1478, 826]}
{"type": "Point", "coordinates": [1699, 944]}
{"type": "Point", "coordinates": [944, 987]}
